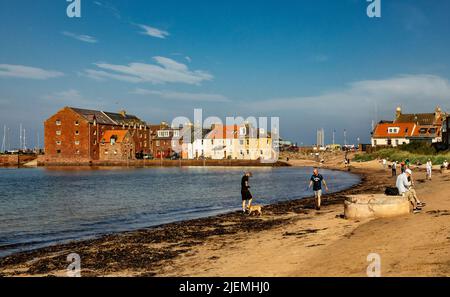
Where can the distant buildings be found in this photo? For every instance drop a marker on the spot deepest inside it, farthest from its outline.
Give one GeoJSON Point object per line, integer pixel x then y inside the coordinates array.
{"type": "Point", "coordinates": [235, 142]}
{"type": "Point", "coordinates": [162, 136]}
{"type": "Point", "coordinates": [82, 135]}
{"type": "Point", "coordinates": [320, 138]}
{"type": "Point", "coordinates": [446, 131]}
{"type": "Point", "coordinates": [75, 135]}
{"type": "Point", "coordinates": [406, 128]}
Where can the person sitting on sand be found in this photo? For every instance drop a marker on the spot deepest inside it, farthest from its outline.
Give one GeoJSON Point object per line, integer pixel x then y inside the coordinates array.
{"type": "Point", "coordinates": [316, 181]}
{"type": "Point", "coordinates": [245, 191]}
{"type": "Point", "coordinates": [404, 186]}
{"type": "Point", "coordinates": [445, 165]}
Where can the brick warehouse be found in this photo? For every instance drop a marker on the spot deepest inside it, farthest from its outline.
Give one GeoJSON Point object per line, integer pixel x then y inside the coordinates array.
{"type": "Point", "coordinates": [74, 135]}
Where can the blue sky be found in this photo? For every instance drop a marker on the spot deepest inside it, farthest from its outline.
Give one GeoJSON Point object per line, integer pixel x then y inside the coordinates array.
{"type": "Point", "coordinates": [315, 64]}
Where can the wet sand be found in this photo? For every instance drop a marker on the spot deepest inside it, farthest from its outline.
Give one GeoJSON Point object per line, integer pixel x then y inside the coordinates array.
{"type": "Point", "coordinates": [290, 239]}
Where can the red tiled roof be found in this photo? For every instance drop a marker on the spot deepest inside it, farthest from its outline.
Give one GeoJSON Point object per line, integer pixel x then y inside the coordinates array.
{"type": "Point", "coordinates": [222, 132]}
{"type": "Point", "coordinates": [118, 134]}
{"type": "Point", "coordinates": [404, 130]}
{"type": "Point", "coordinates": [427, 131]}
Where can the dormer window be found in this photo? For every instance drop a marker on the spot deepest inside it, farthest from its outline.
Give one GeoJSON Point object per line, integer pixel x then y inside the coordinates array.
{"type": "Point", "coordinates": [393, 130]}
{"type": "Point", "coordinates": [58, 122]}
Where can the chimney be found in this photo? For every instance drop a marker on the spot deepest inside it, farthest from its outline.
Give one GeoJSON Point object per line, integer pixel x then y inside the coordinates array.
{"type": "Point", "coordinates": [438, 111]}
{"type": "Point", "coordinates": [398, 112]}
{"type": "Point", "coordinates": [123, 113]}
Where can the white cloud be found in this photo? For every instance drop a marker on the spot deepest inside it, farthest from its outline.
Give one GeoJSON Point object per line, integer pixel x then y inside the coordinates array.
{"type": "Point", "coordinates": [414, 92]}
{"type": "Point", "coordinates": [165, 71]}
{"type": "Point", "coordinates": [21, 71]}
{"type": "Point", "coordinates": [84, 38]}
{"type": "Point", "coordinates": [154, 32]}
{"type": "Point", "coordinates": [106, 5]}
{"type": "Point", "coordinates": [182, 95]}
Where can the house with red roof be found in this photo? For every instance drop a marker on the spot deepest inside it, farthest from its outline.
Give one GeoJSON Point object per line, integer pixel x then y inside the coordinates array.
{"type": "Point", "coordinates": [406, 128]}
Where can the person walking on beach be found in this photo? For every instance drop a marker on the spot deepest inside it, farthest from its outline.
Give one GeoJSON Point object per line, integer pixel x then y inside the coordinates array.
{"type": "Point", "coordinates": [429, 167]}
{"type": "Point", "coordinates": [316, 181]}
{"type": "Point", "coordinates": [394, 168]}
{"type": "Point", "coordinates": [404, 185]}
{"type": "Point", "coordinates": [384, 163]}
{"type": "Point", "coordinates": [245, 191]}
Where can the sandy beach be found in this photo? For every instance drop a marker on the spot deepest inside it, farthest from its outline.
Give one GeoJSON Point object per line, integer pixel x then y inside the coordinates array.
{"type": "Point", "coordinates": [290, 239]}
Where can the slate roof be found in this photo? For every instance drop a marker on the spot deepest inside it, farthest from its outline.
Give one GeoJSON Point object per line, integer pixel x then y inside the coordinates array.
{"type": "Point", "coordinates": [108, 118]}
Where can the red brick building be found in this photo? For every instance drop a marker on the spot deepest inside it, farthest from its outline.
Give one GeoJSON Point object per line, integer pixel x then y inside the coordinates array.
{"type": "Point", "coordinates": [117, 145]}
{"type": "Point", "coordinates": [73, 135]}
{"type": "Point", "coordinates": [162, 140]}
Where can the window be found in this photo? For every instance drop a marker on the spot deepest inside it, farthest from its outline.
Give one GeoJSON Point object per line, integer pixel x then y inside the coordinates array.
{"type": "Point", "coordinates": [77, 152]}
{"type": "Point", "coordinates": [77, 142]}
{"type": "Point", "coordinates": [58, 142]}
{"type": "Point", "coordinates": [77, 132]}
{"type": "Point", "coordinates": [77, 123]}
{"type": "Point", "coordinates": [176, 133]}
{"type": "Point", "coordinates": [157, 143]}
{"type": "Point", "coordinates": [163, 133]}
{"type": "Point", "coordinates": [58, 151]}
{"type": "Point", "coordinates": [248, 152]}
{"type": "Point", "coordinates": [115, 152]}
{"type": "Point", "coordinates": [58, 132]}
{"type": "Point", "coordinates": [58, 123]}
{"type": "Point", "coordinates": [248, 142]}
{"type": "Point", "coordinates": [95, 141]}
{"type": "Point", "coordinates": [106, 152]}
{"type": "Point", "coordinates": [241, 142]}
{"type": "Point", "coordinates": [242, 131]}
{"type": "Point", "coordinates": [393, 130]}
{"type": "Point", "coordinates": [95, 132]}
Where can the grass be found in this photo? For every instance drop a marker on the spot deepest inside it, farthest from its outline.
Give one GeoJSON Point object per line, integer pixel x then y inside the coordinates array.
{"type": "Point", "coordinates": [398, 154]}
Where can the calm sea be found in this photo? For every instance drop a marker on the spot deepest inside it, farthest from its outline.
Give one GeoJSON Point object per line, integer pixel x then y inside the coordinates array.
{"type": "Point", "coordinates": [40, 207]}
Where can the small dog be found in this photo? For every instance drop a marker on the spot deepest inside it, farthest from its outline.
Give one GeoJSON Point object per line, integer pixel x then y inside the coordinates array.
{"type": "Point", "coordinates": [257, 209]}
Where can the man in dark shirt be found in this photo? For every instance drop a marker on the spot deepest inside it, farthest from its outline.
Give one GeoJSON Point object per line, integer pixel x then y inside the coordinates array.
{"type": "Point", "coordinates": [245, 192]}
{"type": "Point", "coordinates": [316, 181]}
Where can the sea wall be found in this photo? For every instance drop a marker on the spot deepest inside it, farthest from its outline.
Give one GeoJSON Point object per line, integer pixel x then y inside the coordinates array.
{"type": "Point", "coordinates": [162, 163]}
{"type": "Point", "coordinates": [15, 160]}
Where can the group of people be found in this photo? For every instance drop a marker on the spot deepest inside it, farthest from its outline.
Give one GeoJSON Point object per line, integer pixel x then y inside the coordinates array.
{"type": "Point", "coordinates": [316, 181]}
{"type": "Point", "coordinates": [395, 164]}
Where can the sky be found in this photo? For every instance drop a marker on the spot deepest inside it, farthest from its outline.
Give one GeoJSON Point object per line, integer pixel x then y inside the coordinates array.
{"type": "Point", "coordinates": [312, 63]}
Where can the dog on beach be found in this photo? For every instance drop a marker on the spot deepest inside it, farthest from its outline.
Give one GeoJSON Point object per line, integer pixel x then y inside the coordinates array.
{"type": "Point", "coordinates": [257, 209]}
